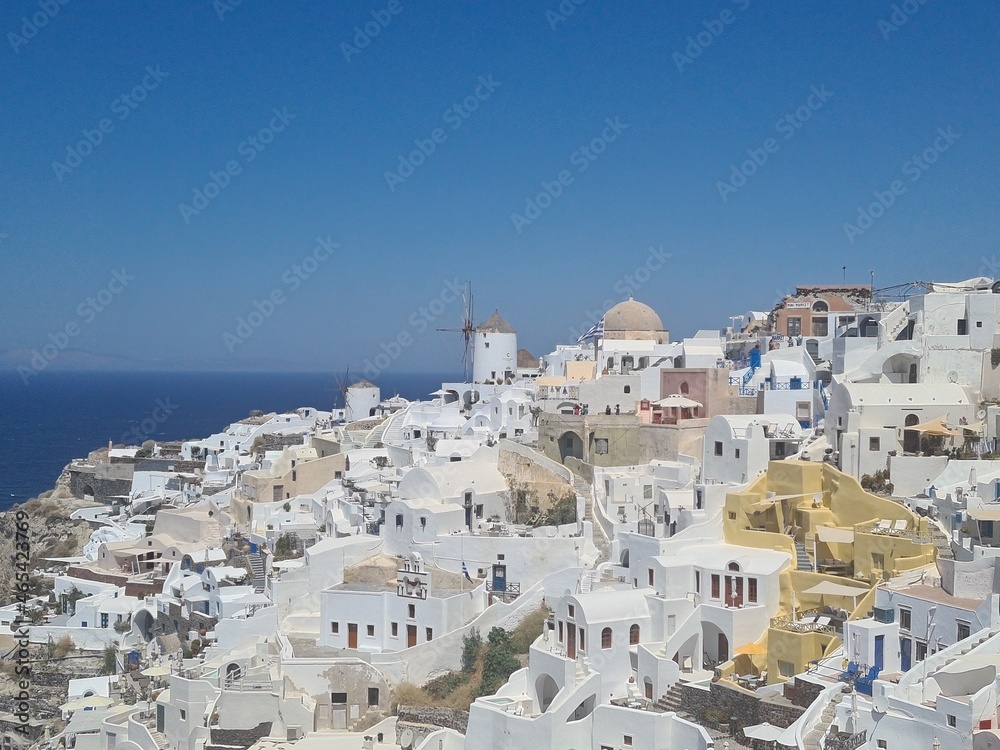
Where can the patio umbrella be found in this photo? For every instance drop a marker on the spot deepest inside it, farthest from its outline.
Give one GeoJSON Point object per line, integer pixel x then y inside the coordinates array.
{"type": "Point", "coordinates": [91, 701]}
{"type": "Point", "coordinates": [676, 400]}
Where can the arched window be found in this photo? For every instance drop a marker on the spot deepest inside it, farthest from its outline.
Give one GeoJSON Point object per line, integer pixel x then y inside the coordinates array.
{"type": "Point", "coordinates": [733, 566]}
{"type": "Point", "coordinates": [606, 638]}
{"type": "Point", "coordinates": [633, 635]}
{"type": "Point", "coordinates": [684, 388]}
{"type": "Point", "coordinates": [820, 306]}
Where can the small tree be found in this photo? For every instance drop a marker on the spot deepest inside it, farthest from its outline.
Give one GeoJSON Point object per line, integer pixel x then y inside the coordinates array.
{"type": "Point", "coordinates": [472, 642]}
{"type": "Point", "coordinates": [499, 662]}
{"type": "Point", "coordinates": [109, 664]}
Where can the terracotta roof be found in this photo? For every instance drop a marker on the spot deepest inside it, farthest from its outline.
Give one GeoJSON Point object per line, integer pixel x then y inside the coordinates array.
{"type": "Point", "coordinates": [495, 324]}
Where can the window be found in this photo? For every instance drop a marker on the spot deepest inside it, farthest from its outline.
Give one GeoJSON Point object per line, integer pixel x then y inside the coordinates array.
{"type": "Point", "coordinates": [882, 744]}
{"type": "Point", "coordinates": [372, 696]}
{"type": "Point", "coordinates": [423, 522]}
{"type": "Point", "coordinates": [104, 619]}
{"type": "Point", "coordinates": [647, 492]}
{"type": "Point", "coordinates": [737, 452]}
{"type": "Point", "coordinates": [649, 576]}
{"type": "Point", "coordinates": [952, 721]}
{"type": "Point", "coordinates": [874, 444]}
{"type": "Point", "coordinates": [606, 638]}
{"type": "Point", "coordinates": [429, 632]}
{"type": "Point", "coordinates": [732, 515]}
{"type": "Point", "coordinates": [395, 629]}
{"type": "Point", "coordinates": [416, 433]}
{"type": "Point", "coordinates": [963, 330]}
{"type": "Point", "coordinates": [904, 618]}
{"type": "Point", "coordinates": [487, 344]}
{"type": "Point", "coordinates": [338, 698]}
{"type": "Point", "coordinates": [479, 511]}
{"type": "Point", "coordinates": [411, 611]}
{"type": "Point", "coordinates": [582, 645]}
{"type": "Point", "coordinates": [571, 610]}
{"type": "Point", "coordinates": [786, 668]}
{"type": "Point", "coordinates": [752, 590]}
{"type": "Point", "coordinates": [184, 715]}
{"type": "Point", "coordinates": [371, 631]}
{"type": "Point", "coordinates": [601, 446]}
{"type": "Point", "coordinates": [560, 631]}
{"type": "Point", "coordinates": [921, 651]}
{"type": "Point", "coordinates": [627, 740]}
{"type": "Point", "coordinates": [335, 627]}
{"type": "Point", "coordinates": [794, 326]}
{"type": "Point", "coordinates": [633, 634]}
{"type": "Point", "coordinates": [715, 586]}
{"type": "Point", "coordinates": [963, 630]}
{"type": "Point", "coordinates": [718, 447]}
{"type": "Point", "coordinates": [979, 324]}
{"type": "Point", "coordinates": [697, 581]}
{"type": "Point", "coordinates": [399, 520]}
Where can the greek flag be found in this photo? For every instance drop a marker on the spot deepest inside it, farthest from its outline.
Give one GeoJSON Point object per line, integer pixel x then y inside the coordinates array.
{"type": "Point", "coordinates": [596, 330]}
{"type": "Point", "coordinates": [465, 572]}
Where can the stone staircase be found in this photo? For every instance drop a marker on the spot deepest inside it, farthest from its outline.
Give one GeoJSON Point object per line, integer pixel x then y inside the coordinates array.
{"type": "Point", "coordinates": [802, 558]}
{"type": "Point", "coordinates": [583, 489]}
{"type": "Point", "coordinates": [942, 542]}
{"type": "Point", "coordinates": [159, 738]}
{"type": "Point", "coordinates": [672, 700]}
{"type": "Point", "coordinates": [257, 575]}
{"type": "Point", "coordinates": [812, 740]}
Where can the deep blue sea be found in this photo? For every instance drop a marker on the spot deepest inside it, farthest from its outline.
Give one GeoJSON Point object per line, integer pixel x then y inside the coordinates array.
{"type": "Point", "coordinates": [60, 416]}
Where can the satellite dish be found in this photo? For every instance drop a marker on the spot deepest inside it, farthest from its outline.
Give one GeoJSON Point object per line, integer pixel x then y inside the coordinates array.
{"type": "Point", "coordinates": [880, 703]}
{"type": "Point", "coordinates": [952, 377]}
{"type": "Point", "coordinates": [981, 414]}
{"type": "Point", "coordinates": [996, 287]}
{"type": "Point", "coordinates": [406, 739]}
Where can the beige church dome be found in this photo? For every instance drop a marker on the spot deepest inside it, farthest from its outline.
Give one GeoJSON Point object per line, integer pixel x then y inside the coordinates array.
{"type": "Point", "coordinates": [632, 316]}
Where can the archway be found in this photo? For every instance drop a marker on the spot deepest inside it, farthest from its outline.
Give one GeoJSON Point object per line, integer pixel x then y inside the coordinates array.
{"type": "Point", "coordinates": [234, 672]}
{"type": "Point", "coordinates": [545, 692]}
{"type": "Point", "coordinates": [570, 444]}
{"type": "Point", "coordinates": [143, 622]}
{"type": "Point", "coordinates": [88, 492]}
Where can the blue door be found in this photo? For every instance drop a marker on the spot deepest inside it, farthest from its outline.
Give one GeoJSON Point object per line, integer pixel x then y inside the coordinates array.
{"type": "Point", "coordinates": [905, 653]}
{"type": "Point", "coordinates": [879, 650]}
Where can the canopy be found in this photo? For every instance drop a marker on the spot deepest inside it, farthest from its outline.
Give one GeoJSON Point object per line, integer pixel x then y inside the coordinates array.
{"type": "Point", "coordinates": [830, 588]}
{"type": "Point", "coordinates": [157, 671]}
{"type": "Point", "coordinates": [834, 534]}
{"type": "Point", "coordinates": [91, 701]}
{"type": "Point", "coordinates": [984, 514]}
{"type": "Point", "coordinates": [935, 428]}
{"type": "Point", "coordinates": [750, 649]}
{"type": "Point", "coordinates": [678, 401]}
{"type": "Point", "coordinates": [765, 732]}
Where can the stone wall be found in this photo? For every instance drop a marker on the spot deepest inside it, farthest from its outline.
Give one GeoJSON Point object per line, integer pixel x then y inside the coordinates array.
{"type": "Point", "coordinates": [424, 721]}
{"type": "Point", "coordinates": [802, 692]}
{"type": "Point", "coordinates": [526, 465]}
{"type": "Point", "coordinates": [736, 703]}
{"type": "Point", "coordinates": [102, 482]}
{"type": "Point", "coordinates": [273, 441]}
{"type": "Point", "coordinates": [230, 738]}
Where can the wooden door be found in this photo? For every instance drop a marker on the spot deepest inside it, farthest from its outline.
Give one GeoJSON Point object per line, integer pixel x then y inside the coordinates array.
{"type": "Point", "coordinates": [571, 641]}
{"type": "Point", "coordinates": [411, 636]}
{"type": "Point", "coordinates": [352, 635]}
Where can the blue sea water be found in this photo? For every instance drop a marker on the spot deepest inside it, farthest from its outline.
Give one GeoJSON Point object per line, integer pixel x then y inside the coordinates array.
{"type": "Point", "coordinates": [59, 416]}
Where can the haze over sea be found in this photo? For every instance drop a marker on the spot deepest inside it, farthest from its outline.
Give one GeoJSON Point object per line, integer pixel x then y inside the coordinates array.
{"type": "Point", "coordinates": [60, 416]}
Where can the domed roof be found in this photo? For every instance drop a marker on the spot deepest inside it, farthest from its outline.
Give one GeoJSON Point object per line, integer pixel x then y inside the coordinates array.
{"type": "Point", "coordinates": [632, 316]}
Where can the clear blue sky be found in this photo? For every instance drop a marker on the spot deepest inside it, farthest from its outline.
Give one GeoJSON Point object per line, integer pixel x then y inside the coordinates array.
{"type": "Point", "coordinates": [888, 90]}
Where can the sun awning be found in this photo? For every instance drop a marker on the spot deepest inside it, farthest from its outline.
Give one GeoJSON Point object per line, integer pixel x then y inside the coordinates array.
{"type": "Point", "coordinates": [984, 514]}
{"type": "Point", "coordinates": [935, 428]}
{"type": "Point", "coordinates": [835, 535]}
{"type": "Point", "coordinates": [830, 588]}
{"type": "Point", "coordinates": [764, 732]}
{"type": "Point", "coordinates": [678, 401]}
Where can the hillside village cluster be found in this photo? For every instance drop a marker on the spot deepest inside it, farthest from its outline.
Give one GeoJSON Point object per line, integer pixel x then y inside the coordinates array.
{"type": "Point", "coordinates": [784, 535]}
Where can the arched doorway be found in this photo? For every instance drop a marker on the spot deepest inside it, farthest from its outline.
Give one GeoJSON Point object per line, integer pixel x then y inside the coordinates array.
{"type": "Point", "coordinates": [233, 673]}
{"type": "Point", "coordinates": [570, 444]}
{"type": "Point", "coordinates": [911, 438]}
